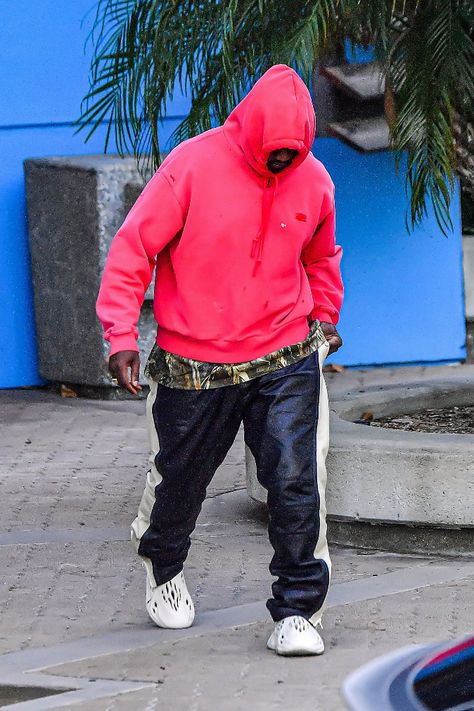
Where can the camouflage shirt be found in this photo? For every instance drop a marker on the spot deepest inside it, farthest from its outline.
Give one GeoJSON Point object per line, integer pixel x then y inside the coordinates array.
{"type": "Point", "coordinates": [175, 371]}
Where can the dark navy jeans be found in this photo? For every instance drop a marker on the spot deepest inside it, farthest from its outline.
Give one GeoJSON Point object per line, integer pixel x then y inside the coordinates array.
{"type": "Point", "coordinates": [285, 418]}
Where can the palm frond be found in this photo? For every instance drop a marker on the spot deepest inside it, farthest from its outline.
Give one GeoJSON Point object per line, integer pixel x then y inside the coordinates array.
{"type": "Point", "coordinates": [214, 50]}
{"type": "Point", "coordinates": [430, 55]}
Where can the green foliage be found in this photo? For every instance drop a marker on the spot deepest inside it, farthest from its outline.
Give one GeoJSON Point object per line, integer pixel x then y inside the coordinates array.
{"type": "Point", "coordinates": [430, 65]}
{"type": "Point", "coordinates": [213, 50]}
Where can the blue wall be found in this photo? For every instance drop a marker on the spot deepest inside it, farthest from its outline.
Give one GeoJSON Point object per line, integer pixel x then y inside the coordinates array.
{"type": "Point", "coordinates": [403, 293]}
{"type": "Point", "coordinates": [404, 299]}
{"type": "Point", "coordinates": [43, 78]}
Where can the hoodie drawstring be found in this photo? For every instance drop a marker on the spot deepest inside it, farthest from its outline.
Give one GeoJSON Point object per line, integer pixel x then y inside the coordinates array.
{"type": "Point", "coordinates": [267, 202]}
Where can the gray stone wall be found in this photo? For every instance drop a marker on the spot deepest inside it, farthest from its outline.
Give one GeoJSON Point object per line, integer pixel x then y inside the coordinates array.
{"type": "Point", "coordinates": [468, 264]}
{"type": "Point", "coordinates": [75, 206]}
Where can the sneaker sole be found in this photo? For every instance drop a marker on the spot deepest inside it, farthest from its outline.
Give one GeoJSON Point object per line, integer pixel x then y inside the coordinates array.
{"type": "Point", "coordinates": [298, 653]}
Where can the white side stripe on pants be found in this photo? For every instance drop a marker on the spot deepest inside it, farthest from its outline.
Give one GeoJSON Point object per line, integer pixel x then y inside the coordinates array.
{"type": "Point", "coordinates": [322, 445]}
{"type": "Point", "coordinates": [142, 522]}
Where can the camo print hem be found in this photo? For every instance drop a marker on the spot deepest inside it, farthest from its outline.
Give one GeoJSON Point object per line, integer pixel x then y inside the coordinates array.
{"type": "Point", "coordinates": [175, 371]}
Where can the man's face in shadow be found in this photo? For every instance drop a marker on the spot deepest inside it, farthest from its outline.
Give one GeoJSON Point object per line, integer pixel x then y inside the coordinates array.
{"type": "Point", "coordinates": [280, 159]}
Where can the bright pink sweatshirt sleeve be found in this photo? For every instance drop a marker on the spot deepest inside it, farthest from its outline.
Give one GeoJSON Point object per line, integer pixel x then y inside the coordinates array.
{"type": "Point", "coordinates": [153, 221]}
{"type": "Point", "coordinates": [321, 259]}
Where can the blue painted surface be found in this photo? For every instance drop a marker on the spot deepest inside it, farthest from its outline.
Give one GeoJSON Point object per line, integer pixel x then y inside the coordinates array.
{"type": "Point", "coordinates": [44, 73]}
{"type": "Point", "coordinates": [355, 54]}
{"type": "Point", "coordinates": [404, 300]}
{"type": "Point", "coordinates": [42, 47]}
{"type": "Point", "coordinates": [403, 293]}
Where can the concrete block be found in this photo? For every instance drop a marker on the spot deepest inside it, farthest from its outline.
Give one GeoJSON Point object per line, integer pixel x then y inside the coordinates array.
{"type": "Point", "coordinates": [470, 340]}
{"type": "Point", "coordinates": [391, 478]}
{"type": "Point", "coordinates": [75, 207]}
{"type": "Point", "coordinates": [468, 264]}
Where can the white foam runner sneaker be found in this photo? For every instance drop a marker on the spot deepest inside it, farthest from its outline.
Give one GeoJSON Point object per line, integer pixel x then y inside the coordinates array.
{"type": "Point", "coordinates": [170, 605]}
{"type": "Point", "coordinates": [295, 636]}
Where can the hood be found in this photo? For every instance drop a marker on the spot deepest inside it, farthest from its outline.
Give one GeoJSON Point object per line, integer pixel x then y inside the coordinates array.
{"type": "Point", "coordinates": [276, 113]}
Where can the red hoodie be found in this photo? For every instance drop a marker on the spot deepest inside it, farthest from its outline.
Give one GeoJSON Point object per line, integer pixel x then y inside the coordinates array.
{"type": "Point", "coordinates": [243, 257]}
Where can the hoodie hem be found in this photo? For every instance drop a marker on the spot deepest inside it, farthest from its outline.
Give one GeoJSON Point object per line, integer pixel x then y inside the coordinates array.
{"type": "Point", "coordinates": [224, 351]}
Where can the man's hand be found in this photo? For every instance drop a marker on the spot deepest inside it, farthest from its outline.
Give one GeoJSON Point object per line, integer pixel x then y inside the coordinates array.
{"type": "Point", "coordinates": [332, 336]}
{"type": "Point", "coordinates": [119, 364]}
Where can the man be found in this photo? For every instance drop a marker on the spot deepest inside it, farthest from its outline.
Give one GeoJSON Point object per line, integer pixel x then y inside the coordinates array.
{"type": "Point", "coordinates": [239, 224]}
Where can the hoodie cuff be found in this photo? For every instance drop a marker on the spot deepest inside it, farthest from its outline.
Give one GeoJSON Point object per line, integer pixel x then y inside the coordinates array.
{"type": "Point", "coordinates": [324, 316]}
{"type": "Point", "coordinates": [124, 342]}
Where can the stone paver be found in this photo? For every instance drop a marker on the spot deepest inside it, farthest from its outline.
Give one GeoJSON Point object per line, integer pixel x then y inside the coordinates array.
{"type": "Point", "coordinates": [71, 476]}
{"type": "Point", "coordinates": [234, 669]}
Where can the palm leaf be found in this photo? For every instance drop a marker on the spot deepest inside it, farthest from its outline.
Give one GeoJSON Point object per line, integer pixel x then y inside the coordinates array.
{"type": "Point", "coordinates": [214, 50]}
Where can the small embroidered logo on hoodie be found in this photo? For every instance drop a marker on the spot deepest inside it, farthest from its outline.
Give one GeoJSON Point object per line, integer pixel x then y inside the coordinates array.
{"type": "Point", "coordinates": [301, 216]}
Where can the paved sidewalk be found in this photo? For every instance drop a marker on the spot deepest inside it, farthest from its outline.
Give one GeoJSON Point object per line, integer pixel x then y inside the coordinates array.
{"type": "Point", "coordinates": [71, 602]}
